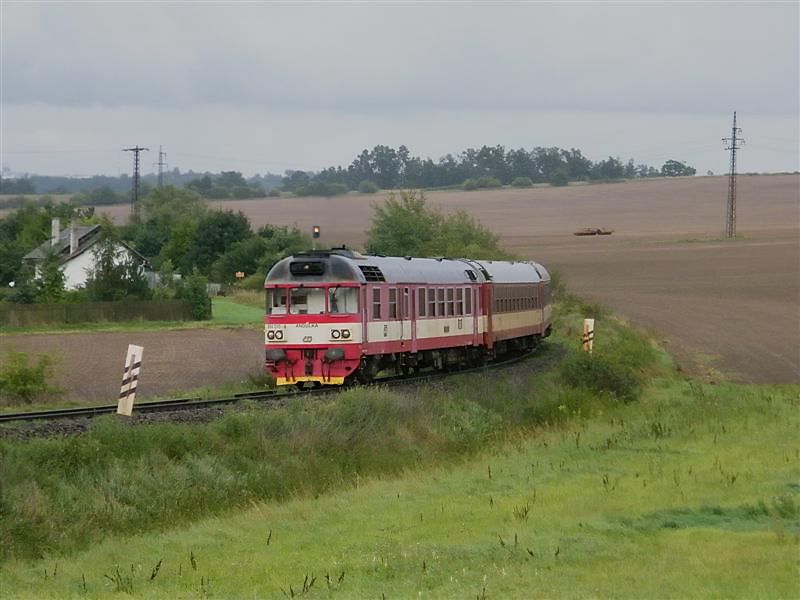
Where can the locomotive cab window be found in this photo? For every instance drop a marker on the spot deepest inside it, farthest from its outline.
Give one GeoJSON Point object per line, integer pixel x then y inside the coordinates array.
{"type": "Point", "coordinates": [306, 301]}
{"type": "Point", "coordinates": [276, 301]}
{"type": "Point", "coordinates": [343, 300]}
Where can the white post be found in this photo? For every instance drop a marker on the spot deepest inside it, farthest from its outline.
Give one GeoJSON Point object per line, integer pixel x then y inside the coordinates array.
{"type": "Point", "coordinates": [130, 379]}
{"type": "Point", "coordinates": [588, 335]}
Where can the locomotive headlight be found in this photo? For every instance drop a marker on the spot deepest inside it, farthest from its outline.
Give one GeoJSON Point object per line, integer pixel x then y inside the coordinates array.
{"type": "Point", "coordinates": [336, 334]}
{"type": "Point", "coordinates": [345, 334]}
{"type": "Point", "coordinates": [279, 334]}
{"type": "Point", "coordinates": [270, 335]}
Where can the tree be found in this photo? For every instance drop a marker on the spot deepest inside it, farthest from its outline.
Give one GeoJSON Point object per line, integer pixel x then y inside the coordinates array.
{"type": "Point", "coordinates": [215, 233]}
{"type": "Point", "coordinates": [674, 168]}
{"type": "Point", "coordinates": [116, 275]}
{"type": "Point", "coordinates": [404, 226]}
{"type": "Point", "coordinates": [50, 285]}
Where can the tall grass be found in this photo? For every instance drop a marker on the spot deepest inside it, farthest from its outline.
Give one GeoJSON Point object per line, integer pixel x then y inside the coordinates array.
{"type": "Point", "coordinates": [62, 494]}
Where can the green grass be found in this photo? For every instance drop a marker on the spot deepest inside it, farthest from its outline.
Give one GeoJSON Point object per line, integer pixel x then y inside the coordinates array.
{"type": "Point", "coordinates": [229, 311]}
{"type": "Point", "coordinates": [691, 492]}
{"type": "Point", "coordinates": [504, 485]}
{"type": "Point", "coordinates": [239, 310]}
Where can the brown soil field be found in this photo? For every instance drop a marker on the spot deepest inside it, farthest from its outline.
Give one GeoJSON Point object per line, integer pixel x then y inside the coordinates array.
{"type": "Point", "coordinates": [723, 307]}
{"type": "Point", "coordinates": [89, 365]}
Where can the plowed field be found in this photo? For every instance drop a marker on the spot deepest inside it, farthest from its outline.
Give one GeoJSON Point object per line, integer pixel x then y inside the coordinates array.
{"type": "Point", "coordinates": [730, 307]}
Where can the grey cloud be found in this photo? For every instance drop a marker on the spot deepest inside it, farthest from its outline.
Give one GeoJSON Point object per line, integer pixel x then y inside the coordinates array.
{"type": "Point", "coordinates": [405, 57]}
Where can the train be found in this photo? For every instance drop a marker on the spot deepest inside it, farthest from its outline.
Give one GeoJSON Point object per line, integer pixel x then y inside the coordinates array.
{"type": "Point", "coordinates": [335, 317]}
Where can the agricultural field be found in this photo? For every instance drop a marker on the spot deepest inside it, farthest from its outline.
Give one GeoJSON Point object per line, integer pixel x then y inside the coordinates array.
{"type": "Point", "coordinates": [504, 485]}
{"type": "Point", "coordinates": [727, 309]}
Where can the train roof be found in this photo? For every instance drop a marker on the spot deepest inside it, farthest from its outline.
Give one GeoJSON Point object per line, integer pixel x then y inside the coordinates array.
{"type": "Point", "coordinates": [340, 265]}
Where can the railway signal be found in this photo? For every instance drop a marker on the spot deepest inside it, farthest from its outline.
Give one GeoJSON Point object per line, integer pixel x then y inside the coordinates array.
{"type": "Point", "coordinates": [315, 235]}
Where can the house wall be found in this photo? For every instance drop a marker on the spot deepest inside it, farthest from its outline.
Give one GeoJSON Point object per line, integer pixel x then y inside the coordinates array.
{"type": "Point", "coordinates": [76, 269]}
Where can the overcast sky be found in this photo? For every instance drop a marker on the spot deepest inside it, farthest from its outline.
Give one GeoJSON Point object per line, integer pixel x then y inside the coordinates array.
{"type": "Point", "coordinates": [260, 87]}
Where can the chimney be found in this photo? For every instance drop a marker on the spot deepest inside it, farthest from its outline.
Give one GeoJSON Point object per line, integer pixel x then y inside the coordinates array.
{"type": "Point", "coordinates": [55, 232]}
{"type": "Point", "coordinates": [73, 239]}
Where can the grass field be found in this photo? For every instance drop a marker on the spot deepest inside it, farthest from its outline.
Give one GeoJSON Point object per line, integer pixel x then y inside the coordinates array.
{"type": "Point", "coordinates": [514, 485]}
{"type": "Point", "coordinates": [675, 496]}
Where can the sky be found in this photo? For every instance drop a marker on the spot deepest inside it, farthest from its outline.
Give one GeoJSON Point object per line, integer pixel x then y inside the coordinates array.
{"type": "Point", "coordinates": [263, 87]}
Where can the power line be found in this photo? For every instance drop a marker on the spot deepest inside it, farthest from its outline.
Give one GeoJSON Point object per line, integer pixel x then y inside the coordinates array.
{"type": "Point", "coordinates": [135, 196]}
{"type": "Point", "coordinates": [161, 165]}
{"type": "Point", "coordinates": [732, 144]}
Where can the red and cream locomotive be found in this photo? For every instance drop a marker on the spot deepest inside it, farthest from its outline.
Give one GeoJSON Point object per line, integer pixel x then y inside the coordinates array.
{"type": "Point", "coordinates": [337, 316]}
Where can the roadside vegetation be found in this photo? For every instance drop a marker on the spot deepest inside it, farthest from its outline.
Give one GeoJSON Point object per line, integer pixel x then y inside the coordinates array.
{"type": "Point", "coordinates": [488, 485]}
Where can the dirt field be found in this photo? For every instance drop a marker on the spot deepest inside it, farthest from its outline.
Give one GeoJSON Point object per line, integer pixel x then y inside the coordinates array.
{"type": "Point", "coordinates": [730, 307]}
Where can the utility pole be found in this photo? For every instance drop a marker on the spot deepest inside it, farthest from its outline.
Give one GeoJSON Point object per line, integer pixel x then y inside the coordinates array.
{"type": "Point", "coordinates": [135, 196]}
{"type": "Point", "coordinates": [732, 143]}
{"type": "Point", "coordinates": [161, 164]}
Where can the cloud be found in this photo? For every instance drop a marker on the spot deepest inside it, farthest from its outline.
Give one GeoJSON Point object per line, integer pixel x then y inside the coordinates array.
{"type": "Point", "coordinates": [371, 58]}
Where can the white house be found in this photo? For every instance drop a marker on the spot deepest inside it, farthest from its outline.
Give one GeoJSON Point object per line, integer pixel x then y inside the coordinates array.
{"type": "Point", "coordinates": [74, 248]}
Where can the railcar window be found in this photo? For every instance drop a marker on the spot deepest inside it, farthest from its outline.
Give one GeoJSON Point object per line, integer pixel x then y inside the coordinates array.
{"type": "Point", "coordinates": [343, 300]}
{"type": "Point", "coordinates": [467, 301]}
{"type": "Point", "coordinates": [392, 303]}
{"type": "Point", "coordinates": [431, 302]}
{"type": "Point", "coordinates": [276, 301]}
{"type": "Point", "coordinates": [305, 301]}
{"type": "Point", "coordinates": [449, 302]}
{"type": "Point", "coordinates": [376, 303]}
{"type": "Point", "coordinates": [406, 308]}
{"type": "Point", "coordinates": [459, 301]}
{"type": "Point", "coordinates": [421, 301]}
{"type": "Point", "coordinates": [440, 300]}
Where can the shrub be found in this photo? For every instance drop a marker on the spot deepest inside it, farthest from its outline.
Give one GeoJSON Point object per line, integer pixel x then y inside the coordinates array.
{"type": "Point", "coordinates": [21, 383]}
{"type": "Point", "coordinates": [522, 182]}
{"type": "Point", "coordinates": [368, 187]}
{"type": "Point", "coordinates": [559, 178]}
{"type": "Point", "coordinates": [601, 374]}
{"type": "Point", "coordinates": [481, 183]}
{"type": "Point", "coordinates": [193, 289]}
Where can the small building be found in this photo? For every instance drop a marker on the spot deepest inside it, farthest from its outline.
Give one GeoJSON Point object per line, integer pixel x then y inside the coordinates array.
{"type": "Point", "coordinates": [74, 247]}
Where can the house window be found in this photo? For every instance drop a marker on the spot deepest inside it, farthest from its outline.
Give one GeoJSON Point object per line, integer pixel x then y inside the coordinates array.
{"type": "Point", "coordinates": [376, 303]}
{"type": "Point", "coordinates": [392, 303]}
{"type": "Point", "coordinates": [421, 301]}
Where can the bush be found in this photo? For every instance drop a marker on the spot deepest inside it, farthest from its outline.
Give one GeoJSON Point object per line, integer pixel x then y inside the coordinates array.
{"type": "Point", "coordinates": [193, 289]}
{"type": "Point", "coordinates": [321, 189]}
{"type": "Point", "coordinates": [274, 193]}
{"type": "Point", "coordinates": [21, 383]}
{"type": "Point", "coordinates": [522, 182]}
{"type": "Point", "coordinates": [559, 178]}
{"type": "Point", "coordinates": [601, 374]}
{"type": "Point", "coordinates": [481, 183]}
{"type": "Point", "coordinates": [368, 187]}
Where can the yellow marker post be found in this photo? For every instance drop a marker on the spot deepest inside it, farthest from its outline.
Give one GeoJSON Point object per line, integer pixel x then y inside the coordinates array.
{"type": "Point", "coordinates": [588, 335]}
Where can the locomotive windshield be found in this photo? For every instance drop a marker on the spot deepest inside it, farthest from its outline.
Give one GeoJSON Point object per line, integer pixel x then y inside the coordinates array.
{"type": "Point", "coordinates": [312, 300]}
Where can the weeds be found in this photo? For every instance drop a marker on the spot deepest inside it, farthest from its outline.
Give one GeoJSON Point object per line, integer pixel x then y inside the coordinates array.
{"type": "Point", "coordinates": [21, 383]}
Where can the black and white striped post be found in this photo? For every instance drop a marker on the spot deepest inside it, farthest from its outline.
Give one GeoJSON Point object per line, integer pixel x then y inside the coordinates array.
{"type": "Point", "coordinates": [130, 379]}
{"type": "Point", "coordinates": [588, 335]}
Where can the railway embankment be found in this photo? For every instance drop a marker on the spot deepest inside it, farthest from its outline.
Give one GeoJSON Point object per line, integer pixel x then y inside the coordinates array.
{"type": "Point", "coordinates": [586, 473]}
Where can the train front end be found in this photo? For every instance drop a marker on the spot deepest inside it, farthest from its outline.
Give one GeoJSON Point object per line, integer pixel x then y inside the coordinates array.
{"type": "Point", "coordinates": [313, 327]}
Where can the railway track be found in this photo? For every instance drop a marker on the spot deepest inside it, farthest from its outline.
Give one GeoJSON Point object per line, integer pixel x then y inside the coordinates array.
{"type": "Point", "coordinates": [184, 404]}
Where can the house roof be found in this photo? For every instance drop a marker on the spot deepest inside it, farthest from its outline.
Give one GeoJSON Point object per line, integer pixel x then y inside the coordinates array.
{"type": "Point", "coordinates": [88, 236]}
